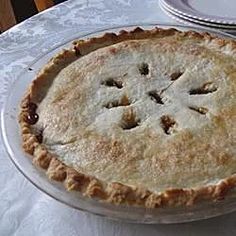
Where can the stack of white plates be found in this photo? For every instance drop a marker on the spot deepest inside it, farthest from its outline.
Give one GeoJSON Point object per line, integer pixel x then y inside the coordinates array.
{"type": "Point", "coordinates": [217, 14]}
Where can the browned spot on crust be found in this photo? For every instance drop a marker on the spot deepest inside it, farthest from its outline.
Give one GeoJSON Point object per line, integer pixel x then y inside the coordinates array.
{"type": "Point", "coordinates": [56, 170]}
{"type": "Point", "coordinates": [137, 30]}
{"type": "Point", "coordinates": [77, 51]}
{"type": "Point", "coordinates": [75, 180]}
{"type": "Point", "coordinates": [118, 193]}
{"type": "Point", "coordinates": [43, 159]}
{"type": "Point", "coordinates": [155, 96]}
{"type": "Point", "coordinates": [129, 120]}
{"type": "Point", "coordinates": [113, 82]}
{"type": "Point", "coordinates": [124, 101]}
{"type": "Point", "coordinates": [204, 89]}
{"type": "Point", "coordinates": [143, 68]}
{"type": "Point", "coordinates": [223, 159]}
{"type": "Point", "coordinates": [95, 188]}
{"type": "Point", "coordinates": [167, 123]}
{"type": "Point", "coordinates": [176, 75]}
{"type": "Point", "coordinates": [200, 110]}
{"type": "Point", "coordinates": [113, 50]}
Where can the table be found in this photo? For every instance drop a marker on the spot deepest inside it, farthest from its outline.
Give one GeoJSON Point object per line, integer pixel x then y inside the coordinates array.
{"type": "Point", "coordinates": [24, 210]}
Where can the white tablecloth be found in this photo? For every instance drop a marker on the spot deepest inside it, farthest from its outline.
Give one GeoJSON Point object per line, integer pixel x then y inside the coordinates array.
{"type": "Point", "coordinates": [24, 210]}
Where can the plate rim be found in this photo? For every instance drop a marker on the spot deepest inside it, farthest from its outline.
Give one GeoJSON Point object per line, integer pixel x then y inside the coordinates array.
{"type": "Point", "coordinates": [176, 6]}
{"type": "Point", "coordinates": [211, 25]}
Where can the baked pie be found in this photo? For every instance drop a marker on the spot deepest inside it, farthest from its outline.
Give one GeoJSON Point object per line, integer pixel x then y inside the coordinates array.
{"type": "Point", "coordinates": [144, 118]}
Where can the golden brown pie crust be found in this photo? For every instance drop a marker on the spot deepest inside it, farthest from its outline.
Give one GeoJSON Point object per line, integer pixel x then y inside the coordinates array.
{"type": "Point", "coordinates": [90, 186]}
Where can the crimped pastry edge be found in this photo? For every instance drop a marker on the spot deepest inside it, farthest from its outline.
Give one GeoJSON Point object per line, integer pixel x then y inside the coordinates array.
{"type": "Point", "coordinates": [90, 186]}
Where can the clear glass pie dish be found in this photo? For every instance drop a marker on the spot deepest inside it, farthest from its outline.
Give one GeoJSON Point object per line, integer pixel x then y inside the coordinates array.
{"type": "Point", "coordinates": [12, 141]}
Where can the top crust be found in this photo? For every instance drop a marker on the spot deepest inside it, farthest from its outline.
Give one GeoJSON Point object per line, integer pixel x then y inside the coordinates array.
{"type": "Point", "coordinates": [143, 117]}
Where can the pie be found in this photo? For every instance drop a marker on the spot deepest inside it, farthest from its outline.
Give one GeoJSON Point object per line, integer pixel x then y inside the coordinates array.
{"type": "Point", "coordinates": [143, 118]}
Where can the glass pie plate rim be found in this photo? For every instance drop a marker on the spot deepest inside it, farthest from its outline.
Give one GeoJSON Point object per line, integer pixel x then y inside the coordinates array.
{"type": "Point", "coordinates": [23, 162]}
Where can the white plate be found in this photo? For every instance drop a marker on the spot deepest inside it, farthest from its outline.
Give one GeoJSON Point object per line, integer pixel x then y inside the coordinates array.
{"type": "Point", "coordinates": [203, 23]}
{"type": "Point", "coordinates": [215, 11]}
{"type": "Point", "coordinates": [185, 19]}
{"type": "Point", "coordinates": [12, 140]}
{"type": "Point", "coordinates": [178, 19]}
